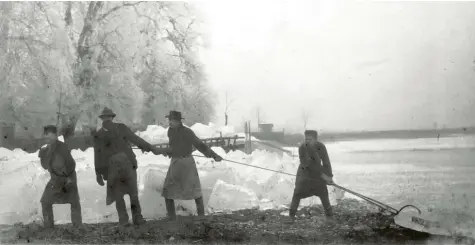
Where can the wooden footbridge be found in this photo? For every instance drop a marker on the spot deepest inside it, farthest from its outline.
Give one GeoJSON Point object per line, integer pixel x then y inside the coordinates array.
{"type": "Point", "coordinates": [227, 143]}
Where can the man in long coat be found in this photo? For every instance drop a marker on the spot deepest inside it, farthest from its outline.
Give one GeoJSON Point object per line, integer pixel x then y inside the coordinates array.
{"type": "Point", "coordinates": [116, 163]}
{"type": "Point", "coordinates": [313, 174]}
{"type": "Point", "coordinates": [182, 181]}
{"type": "Point", "coordinates": [62, 187]}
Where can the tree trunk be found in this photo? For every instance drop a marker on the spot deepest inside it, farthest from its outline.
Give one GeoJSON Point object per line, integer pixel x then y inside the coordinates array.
{"type": "Point", "coordinates": [6, 8]}
{"type": "Point", "coordinates": [68, 18]}
{"type": "Point", "coordinates": [5, 66]}
{"type": "Point", "coordinates": [84, 74]}
{"type": "Point", "coordinates": [68, 127]}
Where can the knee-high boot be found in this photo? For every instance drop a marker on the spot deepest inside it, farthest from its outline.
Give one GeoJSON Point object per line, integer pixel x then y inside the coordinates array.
{"type": "Point", "coordinates": [76, 216]}
{"type": "Point", "coordinates": [48, 217]}
{"type": "Point", "coordinates": [170, 205]}
{"type": "Point", "coordinates": [294, 205]}
{"type": "Point", "coordinates": [200, 207]}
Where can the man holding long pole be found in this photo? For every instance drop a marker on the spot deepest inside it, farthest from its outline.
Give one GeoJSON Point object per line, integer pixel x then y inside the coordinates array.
{"type": "Point", "coordinates": [182, 181]}
{"type": "Point", "coordinates": [313, 175]}
{"type": "Point", "coordinates": [62, 188]}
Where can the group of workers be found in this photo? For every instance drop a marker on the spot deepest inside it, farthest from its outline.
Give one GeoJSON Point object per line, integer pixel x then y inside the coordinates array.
{"type": "Point", "coordinates": [116, 163]}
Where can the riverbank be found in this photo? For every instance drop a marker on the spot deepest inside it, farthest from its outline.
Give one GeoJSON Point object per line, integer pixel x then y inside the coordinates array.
{"type": "Point", "coordinates": [353, 223]}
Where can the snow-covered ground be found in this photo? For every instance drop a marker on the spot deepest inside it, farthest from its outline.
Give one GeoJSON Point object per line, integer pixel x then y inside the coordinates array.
{"type": "Point", "coordinates": [365, 165]}
{"type": "Point", "coordinates": [226, 186]}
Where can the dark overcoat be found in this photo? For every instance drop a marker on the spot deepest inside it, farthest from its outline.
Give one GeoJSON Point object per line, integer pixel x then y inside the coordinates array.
{"type": "Point", "coordinates": [111, 142]}
{"type": "Point", "coordinates": [62, 187]}
{"type": "Point", "coordinates": [314, 161]}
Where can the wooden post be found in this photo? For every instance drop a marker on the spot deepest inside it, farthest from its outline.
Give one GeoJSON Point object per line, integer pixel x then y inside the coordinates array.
{"type": "Point", "coordinates": [250, 138]}
{"type": "Point", "coordinates": [245, 137]}
{"type": "Point", "coordinates": [246, 141]}
{"type": "Point", "coordinates": [234, 145]}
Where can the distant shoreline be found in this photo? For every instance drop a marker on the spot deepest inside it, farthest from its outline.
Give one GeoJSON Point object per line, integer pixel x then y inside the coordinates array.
{"type": "Point", "coordinates": [398, 134]}
{"type": "Point", "coordinates": [294, 139]}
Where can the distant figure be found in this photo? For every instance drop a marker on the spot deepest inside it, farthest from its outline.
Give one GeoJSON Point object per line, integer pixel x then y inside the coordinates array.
{"type": "Point", "coordinates": [62, 187]}
{"type": "Point", "coordinates": [312, 178]}
{"type": "Point", "coordinates": [182, 181]}
{"type": "Point", "coordinates": [116, 163]}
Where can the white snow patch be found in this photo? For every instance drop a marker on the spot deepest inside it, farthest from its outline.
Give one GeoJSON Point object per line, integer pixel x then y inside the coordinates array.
{"type": "Point", "coordinates": [227, 197]}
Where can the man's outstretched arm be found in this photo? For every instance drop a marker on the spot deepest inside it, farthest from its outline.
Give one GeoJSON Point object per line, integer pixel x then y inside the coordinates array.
{"type": "Point", "coordinates": [327, 167]}
{"type": "Point", "coordinates": [303, 157]}
{"type": "Point", "coordinates": [98, 164]}
{"type": "Point", "coordinates": [100, 169]}
{"type": "Point", "coordinates": [135, 139]}
{"type": "Point", "coordinates": [42, 155]}
{"type": "Point", "coordinates": [68, 158]}
{"type": "Point", "coordinates": [202, 147]}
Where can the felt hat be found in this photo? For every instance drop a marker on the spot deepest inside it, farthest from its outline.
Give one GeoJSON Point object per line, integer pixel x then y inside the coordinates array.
{"type": "Point", "coordinates": [174, 115]}
{"type": "Point", "coordinates": [312, 133]}
{"type": "Point", "coordinates": [50, 129]}
{"type": "Point", "coordinates": [106, 112]}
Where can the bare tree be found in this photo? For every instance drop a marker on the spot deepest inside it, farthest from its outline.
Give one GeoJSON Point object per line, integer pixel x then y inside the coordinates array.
{"type": "Point", "coordinates": [305, 118]}
{"type": "Point", "coordinates": [88, 61]}
{"type": "Point", "coordinates": [258, 114]}
{"type": "Point", "coordinates": [5, 67]}
{"type": "Point", "coordinates": [228, 103]}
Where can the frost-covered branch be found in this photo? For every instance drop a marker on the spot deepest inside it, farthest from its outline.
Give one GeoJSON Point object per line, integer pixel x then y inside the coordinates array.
{"type": "Point", "coordinates": [88, 54]}
{"type": "Point", "coordinates": [31, 40]}
{"type": "Point", "coordinates": [116, 8]}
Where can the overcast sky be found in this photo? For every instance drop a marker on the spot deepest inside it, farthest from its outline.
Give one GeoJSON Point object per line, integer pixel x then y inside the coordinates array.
{"type": "Point", "coordinates": [351, 65]}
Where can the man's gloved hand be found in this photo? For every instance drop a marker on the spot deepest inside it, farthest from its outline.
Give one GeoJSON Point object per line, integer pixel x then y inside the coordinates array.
{"type": "Point", "coordinates": [42, 151]}
{"type": "Point", "coordinates": [99, 179]}
{"type": "Point", "coordinates": [328, 179]}
{"type": "Point", "coordinates": [217, 158]}
{"type": "Point", "coordinates": [68, 181]}
{"type": "Point", "coordinates": [160, 151]}
{"type": "Point", "coordinates": [156, 150]}
{"type": "Point", "coordinates": [167, 152]}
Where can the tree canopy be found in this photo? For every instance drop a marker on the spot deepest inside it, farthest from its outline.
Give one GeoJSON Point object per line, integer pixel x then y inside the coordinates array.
{"type": "Point", "coordinates": [62, 62]}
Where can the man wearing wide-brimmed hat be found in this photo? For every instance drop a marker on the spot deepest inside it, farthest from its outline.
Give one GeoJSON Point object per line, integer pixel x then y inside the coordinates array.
{"type": "Point", "coordinates": [313, 175]}
{"type": "Point", "coordinates": [116, 163]}
{"type": "Point", "coordinates": [62, 187]}
{"type": "Point", "coordinates": [182, 181]}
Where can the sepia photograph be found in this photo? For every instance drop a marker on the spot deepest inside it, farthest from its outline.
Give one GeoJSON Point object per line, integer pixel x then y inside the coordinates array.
{"type": "Point", "coordinates": [237, 122]}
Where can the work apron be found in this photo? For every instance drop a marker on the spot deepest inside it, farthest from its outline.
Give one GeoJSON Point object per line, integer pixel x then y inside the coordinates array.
{"type": "Point", "coordinates": [182, 181]}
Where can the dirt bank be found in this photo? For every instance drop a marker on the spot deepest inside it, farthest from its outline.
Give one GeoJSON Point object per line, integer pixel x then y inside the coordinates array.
{"type": "Point", "coordinates": [354, 223]}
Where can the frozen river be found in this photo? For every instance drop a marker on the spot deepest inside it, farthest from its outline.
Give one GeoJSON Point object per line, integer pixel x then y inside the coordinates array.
{"type": "Point", "coordinates": [434, 174]}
